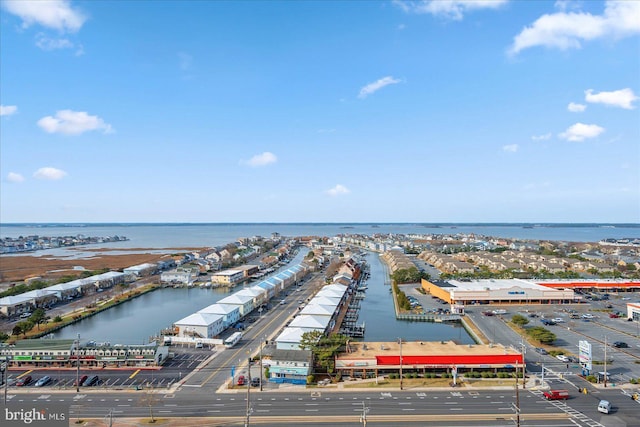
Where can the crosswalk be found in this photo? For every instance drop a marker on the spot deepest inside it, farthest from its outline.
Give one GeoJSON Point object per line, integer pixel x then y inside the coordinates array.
{"type": "Point", "coordinates": [561, 405]}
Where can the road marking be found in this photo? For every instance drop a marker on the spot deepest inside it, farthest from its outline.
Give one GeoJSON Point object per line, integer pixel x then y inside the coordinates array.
{"type": "Point", "coordinates": [408, 409]}
{"type": "Point", "coordinates": [24, 373]}
{"type": "Point", "coordinates": [134, 374]}
{"type": "Point", "coordinates": [311, 410]}
{"type": "Point", "coordinates": [44, 396]}
{"type": "Point", "coordinates": [213, 411]}
{"type": "Point", "coordinates": [125, 405]}
{"type": "Point", "coordinates": [165, 411]}
{"type": "Point", "coordinates": [455, 409]}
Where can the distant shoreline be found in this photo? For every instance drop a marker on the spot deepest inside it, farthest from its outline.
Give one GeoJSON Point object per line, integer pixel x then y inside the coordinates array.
{"type": "Point", "coordinates": [226, 224]}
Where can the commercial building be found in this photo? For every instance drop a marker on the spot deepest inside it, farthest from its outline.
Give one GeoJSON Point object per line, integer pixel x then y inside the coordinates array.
{"type": "Point", "coordinates": [63, 353]}
{"type": "Point", "coordinates": [287, 366]}
{"type": "Point", "coordinates": [633, 311]}
{"type": "Point", "coordinates": [498, 291]}
{"type": "Point", "coordinates": [372, 359]}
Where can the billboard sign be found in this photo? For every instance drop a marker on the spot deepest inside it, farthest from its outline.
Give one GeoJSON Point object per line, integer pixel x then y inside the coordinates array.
{"type": "Point", "coordinates": [585, 354]}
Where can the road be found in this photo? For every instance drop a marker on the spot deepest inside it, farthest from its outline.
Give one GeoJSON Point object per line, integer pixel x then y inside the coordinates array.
{"type": "Point", "coordinates": [445, 407]}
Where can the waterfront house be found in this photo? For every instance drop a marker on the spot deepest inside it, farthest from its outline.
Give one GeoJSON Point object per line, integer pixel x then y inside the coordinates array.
{"type": "Point", "coordinates": [230, 313]}
{"type": "Point", "coordinates": [244, 302]}
{"type": "Point", "coordinates": [200, 325]}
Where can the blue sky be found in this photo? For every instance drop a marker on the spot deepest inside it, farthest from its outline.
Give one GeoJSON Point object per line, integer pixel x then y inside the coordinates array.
{"type": "Point", "coordinates": [328, 111]}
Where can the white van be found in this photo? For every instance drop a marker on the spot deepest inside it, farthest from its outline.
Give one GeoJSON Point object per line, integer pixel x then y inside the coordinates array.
{"type": "Point", "coordinates": [604, 406]}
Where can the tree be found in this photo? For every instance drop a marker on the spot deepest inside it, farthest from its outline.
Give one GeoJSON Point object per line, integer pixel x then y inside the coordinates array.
{"type": "Point", "coordinates": [38, 316]}
{"type": "Point", "coordinates": [3, 336]}
{"type": "Point", "coordinates": [323, 348]}
{"type": "Point", "coordinates": [541, 334]}
{"type": "Point", "coordinates": [519, 320]}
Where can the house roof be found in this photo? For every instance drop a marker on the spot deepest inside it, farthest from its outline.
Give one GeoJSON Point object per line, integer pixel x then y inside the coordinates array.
{"type": "Point", "coordinates": [219, 309]}
{"type": "Point", "coordinates": [310, 321]}
{"type": "Point", "coordinates": [318, 310]}
{"type": "Point", "coordinates": [200, 319]}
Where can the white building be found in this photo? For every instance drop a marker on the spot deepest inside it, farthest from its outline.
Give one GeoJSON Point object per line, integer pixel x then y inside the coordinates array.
{"type": "Point", "coordinates": [202, 325]}
{"type": "Point", "coordinates": [244, 302]}
{"type": "Point", "coordinates": [230, 313]}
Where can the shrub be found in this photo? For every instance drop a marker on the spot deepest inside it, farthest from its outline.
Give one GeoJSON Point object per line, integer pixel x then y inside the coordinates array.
{"type": "Point", "coordinates": [310, 379]}
{"type": "Point", "coordinates": [591, 378]}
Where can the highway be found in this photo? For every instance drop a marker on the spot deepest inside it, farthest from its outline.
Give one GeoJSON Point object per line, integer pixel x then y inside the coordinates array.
{"type": "Point", "coordinates": [446, 407]}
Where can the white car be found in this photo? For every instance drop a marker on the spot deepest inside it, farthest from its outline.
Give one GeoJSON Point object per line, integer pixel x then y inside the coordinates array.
{"type": "Point", "coordinates": [557, 320]}
{"type": "Point", "coordinates": [562, 357]}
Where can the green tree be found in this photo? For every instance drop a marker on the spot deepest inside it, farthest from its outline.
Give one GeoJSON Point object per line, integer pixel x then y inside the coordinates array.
{"type": "Point", "coordinates": [541, 335]}
{"type": "Point", "coordinates": [519, 320]}
{"type": "Point", "coordinates": [38, 317]}
{"type": "Point", "coordinates": [3, 336]}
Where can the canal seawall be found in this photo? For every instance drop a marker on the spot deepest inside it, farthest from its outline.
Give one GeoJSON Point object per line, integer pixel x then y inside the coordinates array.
{"type": "Point", "coordinates": [86, 313]}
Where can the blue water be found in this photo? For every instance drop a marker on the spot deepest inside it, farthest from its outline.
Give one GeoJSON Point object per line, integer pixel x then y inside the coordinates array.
{"type": "Point", "coordinates": [202, 235]}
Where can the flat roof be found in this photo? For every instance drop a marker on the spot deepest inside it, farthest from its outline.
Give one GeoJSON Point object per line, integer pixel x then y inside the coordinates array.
{"type": "Point", "coordinates": [359, 350]}
{"type": "Point", "coordinates": [494, 284]}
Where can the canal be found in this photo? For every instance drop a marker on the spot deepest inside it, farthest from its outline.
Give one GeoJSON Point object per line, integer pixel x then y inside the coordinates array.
{"type": "Point", "coordinates": [378, 314]}
{"type": "Point", "coordinates": [135, 321]}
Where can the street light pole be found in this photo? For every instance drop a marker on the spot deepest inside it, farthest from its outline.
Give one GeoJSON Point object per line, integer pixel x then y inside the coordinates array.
{"type": "Point", "coordinates": [605, 361]}
{"type": "Point", "coordinates": [78, 365]}
{"type": "Point", "coordinates": [261, 344]}
{"type": "Point", "coordinates": [400, 363]}
{"type": "Point", "coordinates": [246, 422]}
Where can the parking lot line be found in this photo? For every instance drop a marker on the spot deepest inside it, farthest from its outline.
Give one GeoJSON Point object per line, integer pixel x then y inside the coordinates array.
{"type": "Point", "coordinates": [134, 374]}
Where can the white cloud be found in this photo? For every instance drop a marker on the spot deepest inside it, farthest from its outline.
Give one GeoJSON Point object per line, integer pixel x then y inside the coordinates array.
{"type": "Point", "coordinates": [451, 9]}
{"type": "Point", "coordinates": [511, 148]}
{"type": "Point", "coordinates": [73, 123]}
{"type": "Point", "coordinates": [541, 137]}
{"type": "Point", "coordinates": [262, 159]}
{"type": "Point", "coordinates": [580, 132]}
{"type": "Point", "coordinates": [376, 86]}
{"type": "Point", "coordinates": [338, 190]}
{"type": "Point", "coordinates": [622, 98]}
{"type": "Point", "coordinates": [46, 43]}
{"type": "Point", "coordinates": [564, 30]}
{"type": "Point", "coordinates": [55, 14]}
{"type": "Point", "coordinates": [7, 110]}
{"type": "Point", "coordinates": [14, 177]}
{"type": "Point", "coordinates": [576, 108]}
{"type": "Point", "coordinates": [49, 173]}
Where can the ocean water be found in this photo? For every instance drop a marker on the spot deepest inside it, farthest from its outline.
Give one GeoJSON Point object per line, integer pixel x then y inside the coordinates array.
{"type": "Point", "coordinates": [208, 235]}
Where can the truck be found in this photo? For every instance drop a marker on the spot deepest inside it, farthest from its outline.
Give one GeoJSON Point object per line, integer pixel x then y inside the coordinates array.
{"type": "Point", "coordinates": [556, 394]}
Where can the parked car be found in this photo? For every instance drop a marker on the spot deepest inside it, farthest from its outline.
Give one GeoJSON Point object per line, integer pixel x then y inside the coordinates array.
{"type": "Point", "coordinates": [80, 381]}
{"type": "Point", "coordinates": [541, 350]}
{"type": "Point", "coordinates": [242, 380]}
{"type": "Point", "coordinates": [43, 381]}
{"type": "Point", "coordinates": [557, 320]}
{"type": "Point", "coordinates": [562, 357]}
{"type": "Point", "coordinates": [620, 344]}
{"type": "Point", "coordinates": [487, 313]}
{"type": "Point", "coordinates": [23, 381]}
{"type": "Point", "coordinates": [255, 382]}
{"type": "Point", "coordinates": [92, 380]}
{"type": "Point", "coordinates": [613, 315]}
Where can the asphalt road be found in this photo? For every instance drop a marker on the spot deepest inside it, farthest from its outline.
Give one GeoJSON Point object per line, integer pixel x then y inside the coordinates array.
{"type": "Point", "coordinates": [464, 407]}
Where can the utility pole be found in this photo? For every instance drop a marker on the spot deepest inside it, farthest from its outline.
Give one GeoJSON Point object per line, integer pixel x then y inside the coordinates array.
{"type": "Point", "coordinates": [524, 365]}
{"type": "Point", "coordinates": [78, 365]}
{"type": "Point", "coordinates": [517, 404]}
{"type": "Point", "coordinates": [5, 373]}
{"type": "Point", "coordinates": [246, 422]}
{"type": "Point", "coordinates": [261, 369]}
{"type": "Point", "coordinates": [605, 362]}
{"type": "Point", "coordinates": [400, 363]}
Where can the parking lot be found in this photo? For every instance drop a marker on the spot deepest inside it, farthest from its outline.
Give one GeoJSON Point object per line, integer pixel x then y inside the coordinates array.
{"type": "Point", "coordinates": [589, 321]}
